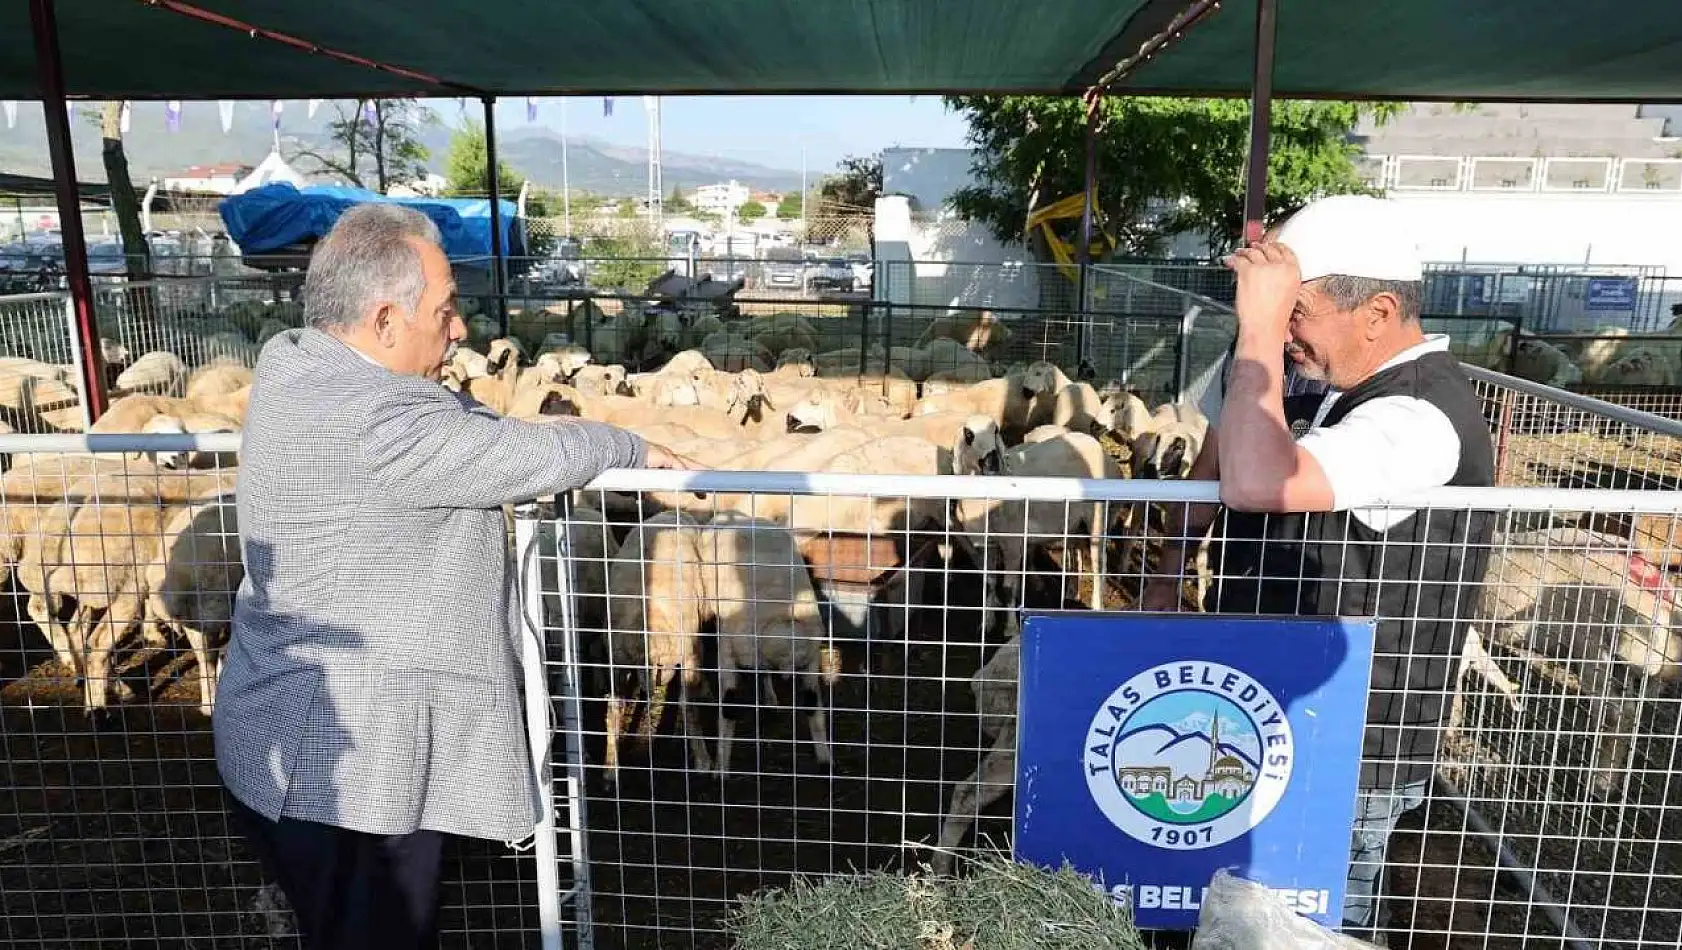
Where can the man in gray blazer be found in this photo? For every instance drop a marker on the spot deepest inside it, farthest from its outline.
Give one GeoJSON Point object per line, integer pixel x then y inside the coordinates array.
{"type": "Point", "coordinates": [370, 701]}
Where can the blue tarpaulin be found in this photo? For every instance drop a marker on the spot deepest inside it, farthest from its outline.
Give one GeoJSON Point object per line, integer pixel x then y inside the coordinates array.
{"type": "Point", "coordinates": [279, 215]}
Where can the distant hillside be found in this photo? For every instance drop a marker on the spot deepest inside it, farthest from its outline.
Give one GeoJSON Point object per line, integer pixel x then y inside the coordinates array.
{"type": "Point", "coordinates": [534, 152]}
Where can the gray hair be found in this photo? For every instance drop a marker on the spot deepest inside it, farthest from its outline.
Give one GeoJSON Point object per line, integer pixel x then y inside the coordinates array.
{"type": "Point", "coordinates": [1347, 293]}
{"type": "Point", "coordinates": [366, 260]}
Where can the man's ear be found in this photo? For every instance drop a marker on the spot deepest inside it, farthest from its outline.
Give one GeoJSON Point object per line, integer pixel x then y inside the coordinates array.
{"type": "Point", "coordinates": [1383, 310]}
{"type": "Point", "coordinates": [384, 323]}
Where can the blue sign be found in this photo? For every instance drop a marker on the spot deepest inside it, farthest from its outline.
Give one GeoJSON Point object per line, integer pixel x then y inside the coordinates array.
{"type": "Point", "coordinates": [1610, 293]}
{"type": "Point", "coordinates": [1155, 749]}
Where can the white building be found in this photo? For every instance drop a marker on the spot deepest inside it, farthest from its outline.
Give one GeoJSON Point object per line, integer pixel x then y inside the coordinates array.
{"type": "Point", "coordinates": [220, 178]}
{"type": "Point", "coordinates": [721, 199]}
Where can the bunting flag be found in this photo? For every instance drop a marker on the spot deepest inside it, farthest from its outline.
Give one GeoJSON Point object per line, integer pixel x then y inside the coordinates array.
{"type": "Point", "coordinates": [607, 106]}
{"type": "Point", "coordinates": [172, 115]}
{"type": "Point", "coordinates": [227, 109]}
{"type": "Point", "coordinates": [123, 119]}
{"type": "Point", "coordinates": [314, 105]}
{"type": "Point", "coordinates": [276, 108]}
{"type": "Point", "coordinates": [11, 113]}
{"type": "Point", "coordinates": [531, 108]}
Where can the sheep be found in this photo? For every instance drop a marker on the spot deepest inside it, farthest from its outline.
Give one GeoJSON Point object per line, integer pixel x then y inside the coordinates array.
{"type": "Point", "coordinates": [994, 687]}
{"type": "Point", "coordinates": [1008, 527]}
{"type": "Point", "coordinates": [217, 379]}
{"type": "Point", "coordinates": [503, 358]}
{"type": "Point", "coordinates": [850, 360]}
{"type": "Point", "coordinates": [687, 363]}
{"type": "Point", "coordinates": [131, 413]}
{"type": "Point", "coordinates": [1640, 366]}
{"type": "Point", "coordinates": [159, 372]}
{"type": "Point", "coordinates": [1581, 596]}
{"type": "Point", "coordinates": [768, 619]}
{"type": "Point", "coordinates": [795, 363]}
{"type": "Point", "coordinates": [1005, 400]}
{"type": "Point", "coordinates": [191, 422]}
{"type": "Point", "coordinates": [545, 399]}
{"type": "Point", "coordinates": [1075, 407]}
{"type": "Point", "coordinates": [586, 556]}
{"type": "Point", "coordinates": [732, 353]}
{"type": "Point", "coordinates": [948, 379]}
{"type": "Point", "coordinates": [656, 606]}
{"type": "Point", "coordinates": [1658, 538]}
{"type": "Point", "coordinates": [228, 344]}
{"type": "Point", "coordinates": [980, 333]}
{"type": "Point", "coordinates": [943, 355]}
{"type": "Point", "coordinates": [1128, 414]}
{"type": "Point", "coordinates": [463, 365]}
{"type": "Point", "coordinates": [593, 380]}
{"type": "Point", "coordinates": [1543, 362]}
{"type": "Point", "coordinates": [481, 329]}
{"type": "Point", "coordinates": [782, 331]}
{"type": "Point", "coordinates": [269, 329]}
{"type": "Point", "coordinates": [190, 585]}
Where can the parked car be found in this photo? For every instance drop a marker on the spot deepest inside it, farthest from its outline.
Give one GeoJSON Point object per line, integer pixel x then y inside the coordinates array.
{"type": "Point", "coordinates": [864, 271]}
{"type": "Point", "coordinates": [831, 274]}
{"type": "Point", "coordinates": [784, 268]}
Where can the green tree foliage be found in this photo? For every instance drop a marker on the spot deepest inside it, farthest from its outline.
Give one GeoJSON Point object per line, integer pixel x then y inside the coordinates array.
{"type": "Point", "coordinates": [467, 166]}
{"type": "Point", "coordinates": [751, 211]}
{"type": "Point", "coordinates": [847, 197]}
{"type": "Point", "coordinates": [676, 203]}
{"type": "Point", "coordinates": [789, 208]}
{"type": "Point", "coordinates": [1165, 166]}
{"type": "Point", "coordinates": [627, 262]}
{"type": "Point", "coordinates": [377, 154]}
{"type": "Point", "coordinates": [627, 207]}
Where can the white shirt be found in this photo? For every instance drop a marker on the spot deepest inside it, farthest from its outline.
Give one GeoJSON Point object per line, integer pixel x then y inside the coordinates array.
{"type": "Point", "coordinates": [1384, 448]}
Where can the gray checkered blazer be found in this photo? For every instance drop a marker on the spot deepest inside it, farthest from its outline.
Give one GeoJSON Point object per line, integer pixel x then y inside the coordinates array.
{"type": "Point", "coordinates": [373, 677]}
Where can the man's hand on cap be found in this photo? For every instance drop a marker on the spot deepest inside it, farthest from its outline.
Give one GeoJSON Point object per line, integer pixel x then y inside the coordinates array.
{"type": "Point", "coordinates": [1269, 280]}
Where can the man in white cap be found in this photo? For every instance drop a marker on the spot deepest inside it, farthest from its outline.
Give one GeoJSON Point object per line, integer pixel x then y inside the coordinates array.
{"type": "Point", "coordinates": [1338, 288]}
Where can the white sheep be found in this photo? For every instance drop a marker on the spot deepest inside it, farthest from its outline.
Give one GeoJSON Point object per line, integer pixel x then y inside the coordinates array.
{"type": "Point", "coordinates": [768, 619]}
{"type": "Point", "coordinates": [657, 603]}
{"type": "Point", "coordinates": [946, 356]}
{"type": "Point", "coordinates": [994, 687]}
{"type": "Point", "coordinates": [979, 332]}
{"type": "Point", "coordinates": [191, 422]}
{"type": "Point", "coordinates": [1580, 596]}
{"type": "Point", "coordinates": [729, 352]}
{"type": "Point", "coordinates": [1543, 362]}
{"type": "Point", "coordinates": [795, 363]}
{"type": "Point", "coordinates": [191, 584]}
{"type": "Point", "coordinates": [217, 379]}
{"type": "Point", "coordinates": [607, 380]}
{"type": "Point", "coordinates": [159, 372]}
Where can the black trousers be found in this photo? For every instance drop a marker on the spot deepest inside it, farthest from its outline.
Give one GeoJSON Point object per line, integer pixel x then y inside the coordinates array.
{"type": "Point", "coordinates": [350, 889]}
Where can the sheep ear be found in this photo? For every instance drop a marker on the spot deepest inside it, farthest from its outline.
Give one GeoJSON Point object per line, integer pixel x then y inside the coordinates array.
{"type": "Point", "coordinates": [969, 436]}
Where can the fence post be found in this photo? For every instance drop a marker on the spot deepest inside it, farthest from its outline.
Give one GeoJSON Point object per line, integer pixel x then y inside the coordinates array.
{"type": "Point", "coordinates": [533, 653]}
{"type": "Point", "coordinates": [1182, 350]}
{"type": "Point", "coordinates": [72, 330]}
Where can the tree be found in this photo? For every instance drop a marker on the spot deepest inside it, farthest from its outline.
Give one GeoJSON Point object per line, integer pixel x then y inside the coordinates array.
{"type": "Point", "coordinates": [1165, 166]}
{"type": "Point", "coordinates": [627, 207]}
{"type": "Point", "coordinates": [388, 148]}
{"type": "Point", "coordinates": [677, 203]}
{"type": "Point", "coordinates": [124, 203]}
{"type": "Point", "coordinates": [751, 211]}
{"type": "Point", "coordinates": [855, 185]}
{"type": "Point", "coordinates": [789, 208]}
{"type": "Point", "coordinates": [467, 166]}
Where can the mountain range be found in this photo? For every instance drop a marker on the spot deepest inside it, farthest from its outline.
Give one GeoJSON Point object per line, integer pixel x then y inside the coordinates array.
{"type": "Point", "coordinates": [1186, 753]}
{"type": "Point", "coordinates": [534, 152]}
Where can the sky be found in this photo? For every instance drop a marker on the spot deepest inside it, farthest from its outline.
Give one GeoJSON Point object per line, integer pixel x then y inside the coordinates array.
{"type": "Point", "coordinates": [769, 130]}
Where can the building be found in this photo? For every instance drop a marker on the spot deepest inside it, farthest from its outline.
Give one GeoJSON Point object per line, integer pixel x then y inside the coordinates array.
{"type": "Point", "coordinates": [220, 178]}
{"type": "Point", "coordinates": [721, 199]}
{"type": "Point", "coordinates": [1139, 780]}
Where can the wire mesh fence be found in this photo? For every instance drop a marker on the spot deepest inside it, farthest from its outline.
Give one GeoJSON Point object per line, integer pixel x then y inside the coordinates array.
{"type": "Point", "coordinates": [753, 676]}
{"type": "Point", "coordinates": [114, 828]}
{"type": "Point", "coordinates": [811, 674]}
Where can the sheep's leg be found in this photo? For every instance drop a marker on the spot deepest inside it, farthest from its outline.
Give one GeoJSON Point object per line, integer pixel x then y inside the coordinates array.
{"type": "Point", "coordinates": [692, 723]}
{"type": "Point", "coordinates": [657, 692]}
{"type": "Point", "coordinates": [43, 609]}
{"type": "Point", "coordinates": [986, 785]}
{"type": "Point", "coordinates": [615, 728]}
{"type": "Point", "coordinates": [729, 682]}
{"type": "Point", "coordinates": [818, 720]}
{"type": "Point", "coordinates": [1095, 564]}
{"type": "Point", "coordinates": [200, 643]}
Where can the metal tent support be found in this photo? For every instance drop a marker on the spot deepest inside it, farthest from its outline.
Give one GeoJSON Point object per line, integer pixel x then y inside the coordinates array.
{"type": "Point", "coordinates": [1261, 119]}
{"type": "Point", "coordinates": [1083, 330]}
{"type": "Point", "coordinates": [89, 362]}
{"type": "Point", "coordinates": [499, 273]}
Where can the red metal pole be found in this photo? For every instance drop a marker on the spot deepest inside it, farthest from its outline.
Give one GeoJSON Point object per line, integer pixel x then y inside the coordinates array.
{"type": "Point", "coordinates": [45, 27]}
{"type": "Point", "coordinates": [1261, 118]}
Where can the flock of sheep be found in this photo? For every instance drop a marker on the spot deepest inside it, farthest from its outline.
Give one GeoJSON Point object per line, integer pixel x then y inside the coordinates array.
{"type": "Point", "coordinates": [1610, 356]}
{"type": "Point", "coordinates": [105, 547]}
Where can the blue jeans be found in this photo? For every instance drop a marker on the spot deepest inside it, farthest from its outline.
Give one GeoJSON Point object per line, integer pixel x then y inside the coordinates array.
{"type": "Point", "coordinates": [1376, 813]}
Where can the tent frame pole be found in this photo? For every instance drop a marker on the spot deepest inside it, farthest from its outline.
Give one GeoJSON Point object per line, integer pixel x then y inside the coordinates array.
{"type": "Point", "coordinates": [1261, 120]}
{"type": "Point", "coordinates": [499, 273]}
{"type": "Point", "coordinates": [44, 23]}
{"type": "Point", "coordinates": [1083, 329]}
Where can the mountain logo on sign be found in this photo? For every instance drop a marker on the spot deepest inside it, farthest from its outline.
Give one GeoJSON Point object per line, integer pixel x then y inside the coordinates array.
{"type": "Point", "coordinates": [1189, 754]}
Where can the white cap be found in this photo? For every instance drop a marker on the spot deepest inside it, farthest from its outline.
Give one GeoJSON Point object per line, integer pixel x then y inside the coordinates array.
{"type": "Point", "coordinates": [1353, 235]}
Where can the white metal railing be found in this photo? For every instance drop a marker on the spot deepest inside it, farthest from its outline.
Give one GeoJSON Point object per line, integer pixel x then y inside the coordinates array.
{"type": "Point", "coordinates": [1606, 175]}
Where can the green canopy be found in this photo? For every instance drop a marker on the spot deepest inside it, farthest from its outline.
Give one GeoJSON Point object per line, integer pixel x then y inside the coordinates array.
{"type": "Point", "coordinates": [1414, 49]}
